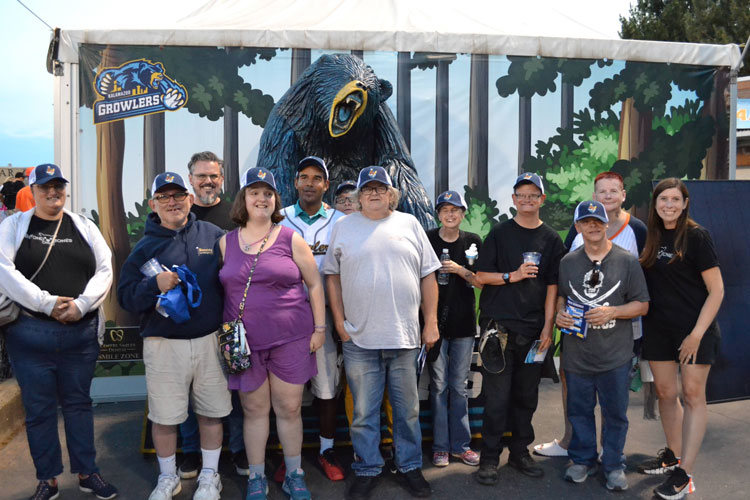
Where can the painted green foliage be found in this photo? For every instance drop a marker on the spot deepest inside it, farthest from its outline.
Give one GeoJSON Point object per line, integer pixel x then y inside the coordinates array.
{"type": "Point", "coordinates": [482, 213]}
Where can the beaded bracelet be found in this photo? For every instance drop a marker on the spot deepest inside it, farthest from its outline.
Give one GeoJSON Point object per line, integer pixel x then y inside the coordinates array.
{"type": "Point", "coordinates": [320, 327]}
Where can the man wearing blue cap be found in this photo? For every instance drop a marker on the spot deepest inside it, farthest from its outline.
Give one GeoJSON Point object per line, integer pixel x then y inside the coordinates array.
{"type": "Point", "coordinates": [518, 266]}
{"type": "Point", "coordinates": [182, 360]}
{"type": "Point", "coordinates": [380, 268]}
{"type": "Point", "coordinates": [601, 289]}
{"type": "Point", "coordinates": [314, 222]}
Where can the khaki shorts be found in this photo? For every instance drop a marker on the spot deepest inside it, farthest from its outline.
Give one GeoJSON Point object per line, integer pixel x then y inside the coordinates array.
{"type": "Point", "coordinates": [178, 369]}
{"type": "Point", "coordinates": [327, 383]}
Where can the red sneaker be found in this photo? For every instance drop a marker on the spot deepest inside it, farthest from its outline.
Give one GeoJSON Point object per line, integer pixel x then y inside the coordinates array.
{"type": "Point", "coordinates": [278, 476]}
{"type": "Point", "coordinates": [331, 467]}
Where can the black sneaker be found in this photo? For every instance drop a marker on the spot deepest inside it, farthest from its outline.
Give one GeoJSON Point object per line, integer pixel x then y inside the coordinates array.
{"type": "Point", "coordinates": [96, 484]}
{"type": "Point", "coordinates": [190, 466]}
{"type": "Point", "coordinates": [526, 465]}
{"type": "Point", "coordinates": [664, 462]}
{"type": "Point", "coordinates": [239, 460]}
{"type": "Point", "coordinates": [361, 487]}
{"type": "Point", "coordinates": [677, 485]}
{"type": "Point", "coordinates": [45, 491]}
{"type": "Point", "coordinates": [416, 483]}
{"type": "Point", "coordinates": [487, 474]}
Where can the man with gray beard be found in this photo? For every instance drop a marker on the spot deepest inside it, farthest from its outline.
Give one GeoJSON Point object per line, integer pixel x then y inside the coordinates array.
{"type": "Point", "coordinates": [206, 178]}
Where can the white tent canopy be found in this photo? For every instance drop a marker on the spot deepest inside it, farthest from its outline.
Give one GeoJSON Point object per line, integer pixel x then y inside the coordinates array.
{"type": "Point", "coordinates": [528, 28]}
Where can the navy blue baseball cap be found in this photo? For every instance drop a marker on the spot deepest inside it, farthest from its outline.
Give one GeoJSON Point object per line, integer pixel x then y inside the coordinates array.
{"type": "Point", "coordinates": [258, 174]}
{"type": "Point", "coordinates": [452, 198]}
{"type": "Point", "coordinates": [42, 174]}
{"type": "Point", "coordinates": [312, 161]}
{"type": "Point", "coordinates": [529, 178]}
{"type": "Point", "coordinates": [167, 179]}
{"type": "Point", "coordinates": [345, 186]}
{"type": "Point", "coordinates": [594, 209]}
{"type": "Point", "coordinates": [373, 173]}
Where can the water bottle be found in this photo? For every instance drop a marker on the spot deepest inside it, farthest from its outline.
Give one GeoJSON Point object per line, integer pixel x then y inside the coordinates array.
{"type": "Point", "coordinates": [442, 278]}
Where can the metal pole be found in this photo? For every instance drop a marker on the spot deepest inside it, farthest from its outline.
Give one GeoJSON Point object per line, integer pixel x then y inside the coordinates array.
{"type": "Point", "coordinates": [733, 114]}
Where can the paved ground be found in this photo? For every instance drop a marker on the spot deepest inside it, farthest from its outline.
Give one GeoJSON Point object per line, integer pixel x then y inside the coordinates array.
{"type": "Point", "coordinates": [720, 471]}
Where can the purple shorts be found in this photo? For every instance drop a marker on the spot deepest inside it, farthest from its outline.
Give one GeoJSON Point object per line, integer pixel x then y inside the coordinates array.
{"type": "Point", "coordinates": [291, 362]}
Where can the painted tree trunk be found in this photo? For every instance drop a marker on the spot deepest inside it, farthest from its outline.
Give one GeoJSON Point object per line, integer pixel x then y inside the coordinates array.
{"type": "Point", "coordinates": [403, 96]}
{"type": "Point", "coordinates": [442, 136]}
{"type": "Point", "coordinates": [716, 163]}
{"type": "Point", "coordinates": [301, 59]}
{"type": "Point", "coordinates": [153, 149]}
{"type": "Point", "coordinates": [478, 122]}
{"type": "Point", "coordinates": [524, 131]}
{"type": "Point", "coordinates": [635, 131]}
{"type": "Point", "coordinates": [231, 151]}
{"type": "Point", "coordinates": [110, 150]}
{"type": "Point", "coordinates": [566, 105]}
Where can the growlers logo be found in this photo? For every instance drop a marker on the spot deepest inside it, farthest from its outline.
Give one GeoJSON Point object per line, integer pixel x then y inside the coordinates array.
{"type": "Point", "coordinates": [135, 88]}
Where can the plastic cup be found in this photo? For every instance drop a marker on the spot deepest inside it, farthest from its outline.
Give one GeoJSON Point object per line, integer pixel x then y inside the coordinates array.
{"type": "Point", "coordinates": [533, 257]}
{"type": "Point", "coordinates": [470, 258]}
{"type": "Point", "coordinates": [152, 267]}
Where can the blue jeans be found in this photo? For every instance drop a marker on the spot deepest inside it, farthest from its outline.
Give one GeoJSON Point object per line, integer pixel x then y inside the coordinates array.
{"type": "Point", "coordinates": [54, 363]}
{"type": "Point", "coordinates": [191, 442]}
{"type": "Point", "coordinates": [449, 374]}
{"type": "Point", "coordinates": [611, 388]}
{"type": "Point", "coordinates": [367, 372]}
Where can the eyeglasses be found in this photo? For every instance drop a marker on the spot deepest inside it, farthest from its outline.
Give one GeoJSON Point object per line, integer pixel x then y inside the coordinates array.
{"type": "Point", "coordinates": [343, 200]}
{"type": "Point", "coordinates": [527, 197]}
{"type": "Point", "coordinates": [595, 275]}
{"type": "Point", "coordinates": [373, 189]}
{"type": "Point", "coordinates": [163, 198]}
{"type": "Point", "coordinates": [57, 186]}
{"type": "Point", "coordinates": [203, 177]}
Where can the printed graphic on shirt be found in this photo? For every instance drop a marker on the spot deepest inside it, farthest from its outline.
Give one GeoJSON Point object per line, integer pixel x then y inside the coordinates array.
{"type": "Point", "coordinates": [664, 254]}
{"type": "Point", "coordinates": [46, 239]}
{"type": "Point", "coordinates": [591, 296]}
{"type": "Point", "coordinates": [318, 248]}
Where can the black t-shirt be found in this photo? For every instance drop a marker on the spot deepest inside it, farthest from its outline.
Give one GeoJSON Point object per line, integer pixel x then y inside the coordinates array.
{"type": "Point", "coordinates": [217, 214]}
{"type": "Point", "coordinates": [519, 306]}
{"type": "Point", "coordinates": [71, 262]}
{"type": "Point", "coordinates": [677, 290]}
{"type": "Point", "coordinates": [10, 189]}
{"type": "Point", "coordinates": [460, 319]}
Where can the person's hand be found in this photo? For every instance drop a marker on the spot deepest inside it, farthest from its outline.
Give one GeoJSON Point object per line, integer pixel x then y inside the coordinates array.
{"type": "Point", "coordinates": [166, 281]}
{"type": "Point", "coordinates": [448, 266]}
{"type": "Point", "coordinates": [430, 335]}
{"type": "Point", "coordinates": [689, 349]}
{"type": "Point", "coordinates": [546, 339]}
{"type": "Point", "coordinates": [71, 313]}
{"type": "Point", "coordinates": [342, 332]}
{"type": "Point", "coordinates": [317, 339]}
{"type": "Point", "coordinates": [526, 270]}
{"type": "Point", "coordinates": [564, 320]}
{"type": "Point", "coordinates": [599, 316]}
{"type": "Point", "coordinates": [61, 305]}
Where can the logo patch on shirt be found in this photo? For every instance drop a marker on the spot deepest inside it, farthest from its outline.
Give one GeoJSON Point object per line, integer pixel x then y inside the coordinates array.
{"type": "Point", "coordinates": [204, 251]}
{"type": "Point", "coordinates": [318, 248]}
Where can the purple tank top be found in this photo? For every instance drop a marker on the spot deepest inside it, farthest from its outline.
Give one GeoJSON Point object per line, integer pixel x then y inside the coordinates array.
{"type": "Point", "coordinates": [277, 309]}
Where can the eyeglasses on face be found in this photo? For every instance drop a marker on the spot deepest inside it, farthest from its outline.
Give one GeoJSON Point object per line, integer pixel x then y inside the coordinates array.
{"type": "Point", "coordinates": [373, 189]}
{"type": "Point", "coordinates": [595, 275]}
{"type": "Point", "coordinates": [57, 186]}
{"type": "Point", "coordinates": [343, 200]}
{"type": "Point", "coordinates": [526, 197]}
{"type": "Point", "coordinates": [203, 177]}
{"type": "Point", "coordinates": [163, 198]}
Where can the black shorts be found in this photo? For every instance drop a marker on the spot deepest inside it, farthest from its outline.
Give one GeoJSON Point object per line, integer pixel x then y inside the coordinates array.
{"type": "Point", "coordinates": [664, 345]}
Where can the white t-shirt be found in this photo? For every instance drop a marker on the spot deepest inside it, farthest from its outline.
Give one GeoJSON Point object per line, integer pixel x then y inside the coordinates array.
{"type": "Point", "coordinates": [381, 264]}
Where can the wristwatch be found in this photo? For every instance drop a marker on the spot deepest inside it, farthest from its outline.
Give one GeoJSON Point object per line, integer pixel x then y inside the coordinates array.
{"type": "Point", "coordinates": [506, 278]}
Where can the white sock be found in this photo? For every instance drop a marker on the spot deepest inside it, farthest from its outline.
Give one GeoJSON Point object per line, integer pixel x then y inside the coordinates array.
{"type": "Point", "coordinates": [259, 469]}
{"type": "Point", "coordinates": [168, 465]}
{"type": "Point", "coordinates": [292, 463]}
{"type": "Point", "coordinates": [211, 459]}
{"type": "Point", "coordinates": [325, 444]}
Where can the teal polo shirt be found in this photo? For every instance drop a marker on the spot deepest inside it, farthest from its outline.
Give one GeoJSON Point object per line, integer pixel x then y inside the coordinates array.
{"type": "Point", "coordinates": [309, 219]}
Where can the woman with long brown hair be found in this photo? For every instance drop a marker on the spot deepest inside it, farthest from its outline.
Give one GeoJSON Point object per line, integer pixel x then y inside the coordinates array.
{"type": "Point", "coordinates": [681, 336]}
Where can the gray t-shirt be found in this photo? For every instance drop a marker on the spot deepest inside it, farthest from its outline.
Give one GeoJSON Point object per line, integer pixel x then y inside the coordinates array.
{"type": "Point", "coordinates": [621, 281]}
{"type": "Point", "coordinates": [381, 264]}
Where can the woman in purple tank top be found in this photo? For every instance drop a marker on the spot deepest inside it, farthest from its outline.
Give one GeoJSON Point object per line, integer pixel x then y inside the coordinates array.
{"type": "Point", "coordinates": [283, 328]}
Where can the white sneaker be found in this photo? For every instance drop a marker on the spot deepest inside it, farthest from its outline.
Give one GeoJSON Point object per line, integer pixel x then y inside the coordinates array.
{"type": "Point", "coordinates": [209, 486]}
{"type": "Point", "coordinates": [168, 486]}
{"type": "Point", "coordinates": [551, 449]}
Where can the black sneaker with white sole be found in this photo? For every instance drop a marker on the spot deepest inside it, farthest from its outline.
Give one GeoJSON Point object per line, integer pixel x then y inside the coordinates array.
{"type": "Point", "coordinates": [190, 466]}
{"type": "Point", "coordinates": [677, 485]}
{"type": "Point", "coordinates": [664, 462]}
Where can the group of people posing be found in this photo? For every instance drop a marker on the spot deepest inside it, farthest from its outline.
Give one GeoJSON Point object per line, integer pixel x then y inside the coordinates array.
{"type": "Point", "coordinates": [358, 282]}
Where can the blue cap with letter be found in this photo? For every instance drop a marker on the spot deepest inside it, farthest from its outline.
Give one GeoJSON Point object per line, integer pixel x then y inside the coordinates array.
{"type": "Point", "coordinates": [42, 174]}
{"type": "Point", "coordinates": [591, 208]}
{"type": "Point", "coordinates": [452, 198]}
{"type": "Point", "coordinates": [167, 179]}
{"type": "Point", "coordinates": [373, 173]}
{"type": "Point", "coordinates": [529, 178]}
{"type": "Point", "coordinates": [258, 174]}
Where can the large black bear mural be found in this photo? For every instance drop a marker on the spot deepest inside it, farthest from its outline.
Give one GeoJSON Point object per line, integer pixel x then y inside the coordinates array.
{"type": "Point", "coordinates": [336, 110]}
